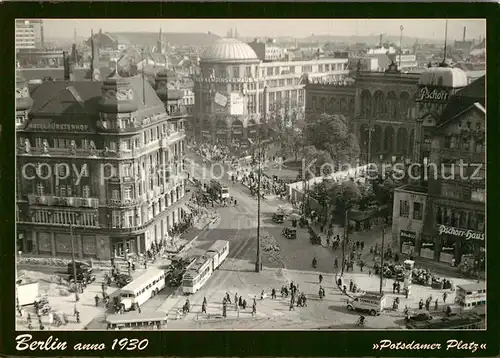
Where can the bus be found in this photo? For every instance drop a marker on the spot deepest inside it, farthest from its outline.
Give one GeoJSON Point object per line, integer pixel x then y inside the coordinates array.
{"type": "Point", "coordinates": [218, 251]}
{"type": "Point", "coordinates": [131, 320]}
{"type": "Point", "coordinates": [470, 295]}
{"type": "Point", "coordinates": [198, 274]}
{"type": "Point", "coordinates": [461, 321]}
{"type": "Point", "coordinates": [141, 289]}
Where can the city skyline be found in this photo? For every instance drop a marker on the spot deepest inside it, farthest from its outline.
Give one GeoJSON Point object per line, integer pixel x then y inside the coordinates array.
{"type": "Point", "coordinates": [422, 28]}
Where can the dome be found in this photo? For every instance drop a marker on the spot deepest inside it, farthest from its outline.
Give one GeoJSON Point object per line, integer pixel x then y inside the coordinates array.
{"type": "Point", "coordinates": [443, 77]}
{"type": "Point", "coordinates": [229, 50]}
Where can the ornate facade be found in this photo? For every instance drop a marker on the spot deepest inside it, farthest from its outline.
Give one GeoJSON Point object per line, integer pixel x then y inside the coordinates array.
{"type": "Point", "coordinates": [99, 168]}
{"type": "Point", "coordinates": [442, 216]}
{"type": "Point", "coordinates": [382, 103]}
{"type": "Point", "coordinates": [237, 95]}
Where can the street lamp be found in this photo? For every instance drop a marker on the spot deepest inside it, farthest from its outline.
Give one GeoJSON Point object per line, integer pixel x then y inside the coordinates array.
{"type": "Point", "coordinates": [382, 258]}
{"type": "Point", "coordinates": [401, 28]}
{"type": "Point", "coordinates": [258, 261]}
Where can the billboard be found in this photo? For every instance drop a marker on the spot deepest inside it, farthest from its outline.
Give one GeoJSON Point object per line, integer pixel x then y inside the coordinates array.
{"type": "Point", "coordinates": [220, 99]}
{"type": "Point", "coordinates": [237, 104]}
{"type": "Point", "coordinates": [433, 94]}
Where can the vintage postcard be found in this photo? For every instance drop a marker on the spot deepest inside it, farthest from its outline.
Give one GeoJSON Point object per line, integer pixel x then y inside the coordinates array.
{"type": "Point", "coordinates": [250, 175]}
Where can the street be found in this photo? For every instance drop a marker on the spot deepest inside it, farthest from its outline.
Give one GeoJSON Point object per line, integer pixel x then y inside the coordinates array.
{"type": "Point", "coordinates": [237, 276]}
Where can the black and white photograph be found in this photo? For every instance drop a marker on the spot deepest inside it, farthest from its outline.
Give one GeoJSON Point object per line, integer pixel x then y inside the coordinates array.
{"type": "Point", "coordinates": [250, 174]}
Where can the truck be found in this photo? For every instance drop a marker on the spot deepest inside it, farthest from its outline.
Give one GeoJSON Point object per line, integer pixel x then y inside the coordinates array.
{"type": "Point", "coordinates": [370, 302]}
{"type": "Point", "coordinates": [221, 191]}
{"type": "Point", "coordinates": [27, 293]}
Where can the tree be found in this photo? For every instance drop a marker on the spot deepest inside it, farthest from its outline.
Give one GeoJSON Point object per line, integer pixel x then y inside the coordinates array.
{"type": "Point", "coordinates": [332, 134]}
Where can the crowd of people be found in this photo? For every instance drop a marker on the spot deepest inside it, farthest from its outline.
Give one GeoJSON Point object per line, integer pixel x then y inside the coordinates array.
{"type": "Point", "coordinates": [220, 152]}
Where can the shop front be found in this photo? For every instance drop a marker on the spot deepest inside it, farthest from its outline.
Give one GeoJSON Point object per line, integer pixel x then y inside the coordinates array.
{"type": "Point", "coordinates": [121, 247]}
{"type": "Point", "coordinates": [456, 244]}
{"type": "Point", "coordinates": [427, 247]}
{"type": "Point", "coordinates": [408, 242]}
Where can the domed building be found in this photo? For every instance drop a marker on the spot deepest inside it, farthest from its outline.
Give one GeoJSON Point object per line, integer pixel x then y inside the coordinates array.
{"type": "Point", "coordinates": [226, 92]}
{"type": "Point", "coordinates": [238, 94]}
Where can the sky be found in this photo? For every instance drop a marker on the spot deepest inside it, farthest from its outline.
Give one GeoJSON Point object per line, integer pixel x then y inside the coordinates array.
{"type": "Point", "coordinates": [426, 29]}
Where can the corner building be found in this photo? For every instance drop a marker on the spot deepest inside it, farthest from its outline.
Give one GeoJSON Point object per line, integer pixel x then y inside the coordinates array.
{"type": "Point", "coordinates": [115, 137]}
{"type": "Point", "coordinates": [441, 216]}
{"type": "Point", "coordinates": [237, 95]}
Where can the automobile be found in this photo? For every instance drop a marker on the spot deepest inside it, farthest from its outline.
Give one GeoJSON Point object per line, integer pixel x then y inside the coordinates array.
{"type": "Point", "coordinates": [279, 218]}
{"type": "Point", "coordinates": [371, 302]}
{"type": "Point", "coordinates": [420, 315]}
{"type": "Point", "coordinates": [123, 280]}
{"type": "Point", "coordinates": [289, 233]}
{"type": "Point", "coordinates": [80, 267]}
{"type": "Point", "coordinates": [80, 277]}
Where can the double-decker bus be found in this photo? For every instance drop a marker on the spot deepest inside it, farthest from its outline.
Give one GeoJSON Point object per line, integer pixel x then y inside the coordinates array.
{"type": "Point", "coordinates": [149, 284]}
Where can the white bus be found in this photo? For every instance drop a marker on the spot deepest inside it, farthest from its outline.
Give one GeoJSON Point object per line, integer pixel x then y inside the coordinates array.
{"type": "Point", "coordinates": [471, 295]}
{"type": "Point", "coordinates": [218, 251]}
{"type": "Point", "coordinates": [132, 320]}
{"type": "Point", "coordinates": [141, 289]}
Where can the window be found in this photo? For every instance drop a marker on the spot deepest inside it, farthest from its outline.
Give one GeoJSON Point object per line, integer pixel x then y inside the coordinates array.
{"type": "Point", "coordinates": [404, 208]}
{"type": "Point", "coordinates": [320, 68]}
{"type": "Point", "coordinates": [112, 145]}
{"type": "Point", "coordinates": [115, 194]}
{"type": "Point", "coordinates": [128, 193]}
{"type": "Point", "coordinates": [85, 170]}
{"type": "Point", "coordinates": [248, 71]}
{"type": "Point", "coordinates": [126, 170]}
{"type": "Point", "coordinates": [282, 83]}
{"type": "Point", "coordinates": [417, 211]}
{"type": "Point", "coordinates": [479, 147]}
{"type": "Point", "coordinates": [86, 191]}
{"type": "Point", "coordinates": [478, 194]}
{"type": "Point", "coordinates": [40, 189]}
{"type": "Point", "coordinates": [38, 142]}
{"type": "Point", "coordinates": [69, 189]}
{"type": "Point", "coordinates": [235, 72]}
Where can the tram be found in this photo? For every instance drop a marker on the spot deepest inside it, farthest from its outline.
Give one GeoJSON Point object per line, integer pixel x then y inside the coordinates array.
{"type": "Point", "coordinates": [204, 266]}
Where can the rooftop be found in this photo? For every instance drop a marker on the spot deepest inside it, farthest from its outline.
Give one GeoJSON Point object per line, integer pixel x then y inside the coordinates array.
{"type": "Point", "coordinates": [229, 50]}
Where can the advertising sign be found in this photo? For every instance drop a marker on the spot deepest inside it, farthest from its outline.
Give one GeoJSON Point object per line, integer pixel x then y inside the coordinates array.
{"type": "Point", "coordinates": [220, 99]}
{"type": "Point", "coordinates": [467, 234]}
{"type": "Point", "coordinates": [432, 94]}
{"type": "Point", "coordinates": [237, 104]}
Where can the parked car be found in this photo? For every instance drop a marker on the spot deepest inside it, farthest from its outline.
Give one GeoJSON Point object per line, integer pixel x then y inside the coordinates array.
{"type": "Point", "coordinates": [123, 280]}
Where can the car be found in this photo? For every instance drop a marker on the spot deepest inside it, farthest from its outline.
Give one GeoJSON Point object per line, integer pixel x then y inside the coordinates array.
{"type": "Point", "coordinates": [123, 280]}
{"type": "Point", "coordinates": [289, 233]}
{"type": "Point", "coordinates": [279, 218]}
{"type": "Point", "coordinates": [80, 277]}
{"type": "Point", "coordinates": [421, 315]}
{"type": "Point", "coordinates": [80, 267]}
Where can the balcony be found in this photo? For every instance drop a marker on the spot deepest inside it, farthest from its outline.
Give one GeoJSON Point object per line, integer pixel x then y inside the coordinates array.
{"type": "Point", "coordinates": [125, 202]}
{"type": "Point", "coordinates": [75, 202]}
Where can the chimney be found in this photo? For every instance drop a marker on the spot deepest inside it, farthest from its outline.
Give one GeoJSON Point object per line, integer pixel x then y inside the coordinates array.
{"type": "Point", "coordinates": [92, 55]}
{"type": "Point", "coordinates": [380, 40]}
{"type": "Point", "coordinates": [66, 65]}
{"type": "Point", "coordinates": [465, 31]}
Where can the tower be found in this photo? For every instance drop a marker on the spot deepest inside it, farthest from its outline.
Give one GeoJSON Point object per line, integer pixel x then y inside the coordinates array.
{"type": "Point", "coordinates": [159, 42]}
{"type": "Point", "coordinates": [23, 101]}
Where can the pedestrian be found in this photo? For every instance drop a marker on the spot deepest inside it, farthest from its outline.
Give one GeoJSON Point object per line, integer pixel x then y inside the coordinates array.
{"type": "Point", "coordinates": [273, 293]}
{"type": "Point", "coordinates": [262, 295]}
{"type": "Point", "coordinates": [445, 295]}
{"type": "Point", "coordinates": [139, 309]}
{"type": "Point", "coordinates": [65, 318]}
{"type": "Point", "coordinates": [320, 278]}
{"type": "Point", "coordinates": [77, 317]}
{"type": "Point", "coordinates": [254, 308]}
{"type": "Point", "coordinates": [361, 265]}
{"type": "Point", "coordinates": [369, 273]}
{"type": "Point", "coordinates": [436, 305]}
{"type": "Point", "coordinates": [103, 287]}
{"type": "Point", "coordinates": [291, 305]}
{"type": "Point", "coordinates": [96, 298]}
{"type": "Point", "coordinates": [351, 284]}
{"type": "Point", "coordinates": [336, 263]}
{"type": "Point", "coordinates": [204, 307]}
{"type": "Point", "coordinates": [421, 304]}
{"type": "Point", "coordinates": [240, 301]}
